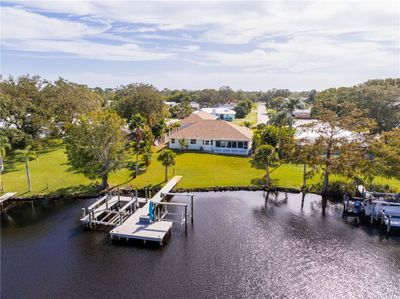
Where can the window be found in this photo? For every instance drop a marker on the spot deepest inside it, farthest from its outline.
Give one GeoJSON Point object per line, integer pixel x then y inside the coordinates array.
{"type": "Point", "coordinates": [212, 142]}
{"type": "Point", "coordinates": [207, 142]}
{"type": "Point", "coordinates": [234, 144]}
{"type": "Point", "coordinates": [224, 143]}
{"type": "Point", "coordinates": [218, 143]}
{"type": "Point", "coordinates": [192, 141]}
{"type": "Point", "coordinates": [245, 144]}
{"type": "Point", "coordinates": [172, 140]}
{"type": "Point", "coordinates": [240, 144]}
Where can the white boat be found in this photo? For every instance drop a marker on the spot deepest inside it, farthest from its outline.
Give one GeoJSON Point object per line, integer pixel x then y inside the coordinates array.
{"type": "Point", "coordinates": [386, 211]}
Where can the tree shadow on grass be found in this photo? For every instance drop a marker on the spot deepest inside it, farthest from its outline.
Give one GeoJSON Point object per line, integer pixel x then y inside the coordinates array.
{"type": "Point", "coordinates": [263, 182]}
{"type": "Point", "coordinates": [199, 152]}
{"type": "Point", "coordinates": [75, 191]}
{"type": "Point", "coordinates": [10, 165]}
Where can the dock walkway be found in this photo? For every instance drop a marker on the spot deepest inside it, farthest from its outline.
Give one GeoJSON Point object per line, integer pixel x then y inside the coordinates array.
{"type": "Point", "coordinates": [135, 228]}
{"type": "Point", "coordinates": [4, 198]}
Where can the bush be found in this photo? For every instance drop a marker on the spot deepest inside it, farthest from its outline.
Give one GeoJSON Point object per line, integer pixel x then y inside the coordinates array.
{"type": "Point", "coordinates": [247, 124]}
{"type": "Point", "coordinates": [380, 188]}
{"type": "Point", "coordinates": [336, 188]}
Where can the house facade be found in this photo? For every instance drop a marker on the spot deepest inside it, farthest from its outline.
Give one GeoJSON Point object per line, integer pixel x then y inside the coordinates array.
{"type": "Point", "coordinates": [302, 114]}
{"type": "Point", "coordinates": [221, 113]}
{"type": "Point", "coordinates": [214, 136]}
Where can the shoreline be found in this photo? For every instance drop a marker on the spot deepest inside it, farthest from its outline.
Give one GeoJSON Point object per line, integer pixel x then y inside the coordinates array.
{"type": "Point", "coordinates": [129, 190]}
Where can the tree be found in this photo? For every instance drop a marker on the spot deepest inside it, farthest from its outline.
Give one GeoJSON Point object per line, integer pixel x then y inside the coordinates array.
{"type": "Point", "coordinates": [24, 104]}
{"type": "Point", "coordinates": [379, 100]}
{"type": "Point", "coordinates": [147, 155]}
{"type": "Point", "coordinates": [96, 144]}
{"type": "Point", "coordinates": [70, 100]}
{"type": "Point", "coordinates": [140, 98]}
{"type": "Point", "coordinates": [264, 157]}
{"type": "Point", "coordinates": [4, 146]}
{"type": "Point", "coordinates": [243, 108]}
{"type": "Point", "coordinates": [141, 137]}
{"type": "Point", "coordinates": [182, 144]}
{"type": "Point", "coordinates": [181, 110]}
{"type": "Point", "coordinates": [247, 124]}
{"type": "Point", "coordinates": [28, 155]}
{"type": "Point", "coordinates": [386, 153]}
{"type": "Point", "coordinates": [311, 96]}
{"type": "Point", "coordinates": [159, 128]}
{"type": "Point", "coordinates": [307, 155]}
{"type": "Point", "coordinates": [167, 159]}
{"type": "Point", "coordinates": [338, 131]}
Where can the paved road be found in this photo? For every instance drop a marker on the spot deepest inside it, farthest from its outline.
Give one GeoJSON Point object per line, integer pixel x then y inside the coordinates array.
{"type": "Point", "coordinates": [262, 117]}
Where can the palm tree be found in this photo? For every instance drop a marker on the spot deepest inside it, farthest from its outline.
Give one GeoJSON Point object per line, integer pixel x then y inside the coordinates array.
{"type": "Point", "coordinates": [280, 120]}
{"type": "Point", "coordinates": [4, 145]}
{"type": "Point", "coordinates": [167, 159]}
{"type": "Point", "coordinates": [147, 155]}
{"type": "Point", "coordinates": [137, 126]}
{"type": "Point", "coordinates": [28, 154]}
{"type": "Point", "coordinates": [182, 144]}
{"type": "Point", "coordinates": [264, 156]}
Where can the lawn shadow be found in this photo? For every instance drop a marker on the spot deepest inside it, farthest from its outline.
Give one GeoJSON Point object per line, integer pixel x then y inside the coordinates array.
{"type": "Point", "coordinates": [161, 148]}
{"type": "Point", "coordinates": [263, 182]}
{"type": "Point", "coordinates": [10, 165]}
{"type": "Point", "coordinates": [77, 190]}
{"type": "Point", "coordinates": [179, 152]}
{"type": "Point", "coordinates": [12, 160]}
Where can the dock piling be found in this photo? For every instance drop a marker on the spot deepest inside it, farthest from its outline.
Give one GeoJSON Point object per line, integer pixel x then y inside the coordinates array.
{"type": "Point", "coordinates": [191, 208]}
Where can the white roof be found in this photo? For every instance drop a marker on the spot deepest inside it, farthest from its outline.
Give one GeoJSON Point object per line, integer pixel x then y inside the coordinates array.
{"type": "Point", "coordinates": [311, 134]}
{"type": "Point", "coordinates": [219, 110]}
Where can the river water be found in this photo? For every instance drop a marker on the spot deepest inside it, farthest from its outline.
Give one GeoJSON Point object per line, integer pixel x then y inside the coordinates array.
{"type": "Point", "coordinates": [238, 247]}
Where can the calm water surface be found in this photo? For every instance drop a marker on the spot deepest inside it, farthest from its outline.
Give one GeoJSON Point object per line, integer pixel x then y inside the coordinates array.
{"type": "Point", "coordinates": [238, 247]}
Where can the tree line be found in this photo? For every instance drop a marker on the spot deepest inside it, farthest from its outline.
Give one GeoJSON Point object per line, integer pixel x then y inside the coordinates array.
{"type": "Point", "coordinates": [100, 126]}
{"type": "Point", "coordinates": [352, 138]}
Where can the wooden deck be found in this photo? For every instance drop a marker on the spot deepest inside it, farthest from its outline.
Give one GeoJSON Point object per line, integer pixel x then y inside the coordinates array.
{"type": "Point", "coordinates": [4, 198]}
{"type": "Point", "coordinates": [134, 228]}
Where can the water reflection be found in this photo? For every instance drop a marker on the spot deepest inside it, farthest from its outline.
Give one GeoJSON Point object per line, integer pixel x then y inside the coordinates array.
{"type": "Point", "coordinates": [241, 245]}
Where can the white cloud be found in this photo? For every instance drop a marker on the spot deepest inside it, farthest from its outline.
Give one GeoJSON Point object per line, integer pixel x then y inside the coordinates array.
{"type": "Point", "coordinates": [243, 42]}
{"type": "Point", "coordinates": [45, 34]}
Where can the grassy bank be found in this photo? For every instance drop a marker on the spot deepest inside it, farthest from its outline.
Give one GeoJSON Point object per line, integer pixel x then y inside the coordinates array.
{"type": "Point", "coordinates": [51, 174]}
{"type": "Point", "coordinates": [251, 117]}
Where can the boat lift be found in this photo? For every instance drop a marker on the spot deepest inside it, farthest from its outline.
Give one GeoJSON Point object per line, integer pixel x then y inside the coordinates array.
{"type": "Point", "coordinates": [162, 213]}
{"type": "Point", "coordinates": [111, 211]}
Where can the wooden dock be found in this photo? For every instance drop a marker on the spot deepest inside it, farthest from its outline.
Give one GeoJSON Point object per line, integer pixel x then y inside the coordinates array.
{"type": "Point", "coordinates": [4, 198]}
{"type": "Point", "coordinates": [138, 226]}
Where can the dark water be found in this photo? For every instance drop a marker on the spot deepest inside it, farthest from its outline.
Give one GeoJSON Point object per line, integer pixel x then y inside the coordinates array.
{"type": "Point", "coordinates": [238, 247]}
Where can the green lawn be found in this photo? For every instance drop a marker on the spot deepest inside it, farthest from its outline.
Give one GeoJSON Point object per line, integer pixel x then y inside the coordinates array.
{"type": "Point", "coordinates": [251, 117]}
{"type": "Point", "coordinates": [50, 174]}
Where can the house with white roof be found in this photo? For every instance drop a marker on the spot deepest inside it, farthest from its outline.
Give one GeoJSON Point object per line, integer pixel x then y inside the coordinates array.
{"type": "Point", "coordinates": [302, 113]}
{"type": "Point", "coordinates": [212, 135]}
{"type": "Point", "coordinates": [221, 113]}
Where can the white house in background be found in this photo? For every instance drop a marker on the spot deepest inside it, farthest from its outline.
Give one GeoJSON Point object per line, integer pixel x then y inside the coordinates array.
{"type": "Point", "coordinates": [195, 106]}
{"type": "Point", "coordinates": [170, 104]}
{"type": "Point", "coordinates": [221, 113]}
{"type": "Point", "coordinates": [302, 114]}
{"type": "Point", "coordinates": [214, 136]}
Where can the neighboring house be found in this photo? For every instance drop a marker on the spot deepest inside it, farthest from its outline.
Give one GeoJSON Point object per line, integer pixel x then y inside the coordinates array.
{"type": "Point", "coordinates": [229, 105]}
{"type": "Point", "coordinates": [215, 136]}
{"type": "Point", "coordinates": [195, 106]}
{"type": "Point", "coordinates": [171, 104]}
{"type": "Point", "coordinates": [221, 113]}
{"type": "Point", "coordinates": [302, 113]}
{"type": "Point", "coordinates": [195, 117]}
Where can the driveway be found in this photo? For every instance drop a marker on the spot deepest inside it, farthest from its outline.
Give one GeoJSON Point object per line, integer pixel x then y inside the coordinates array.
{"type": "Point", "coordinates": [262, 117]}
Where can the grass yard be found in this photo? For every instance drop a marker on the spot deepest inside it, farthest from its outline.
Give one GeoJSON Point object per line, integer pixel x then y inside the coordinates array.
{"type": "Point", "coordinates": [251, 117]}
{"type": "Point", "coordinates": [50, 174]}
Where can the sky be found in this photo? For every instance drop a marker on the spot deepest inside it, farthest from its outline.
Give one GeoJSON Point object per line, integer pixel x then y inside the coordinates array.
{"type": "Point", "coordinates": [299, 45]}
